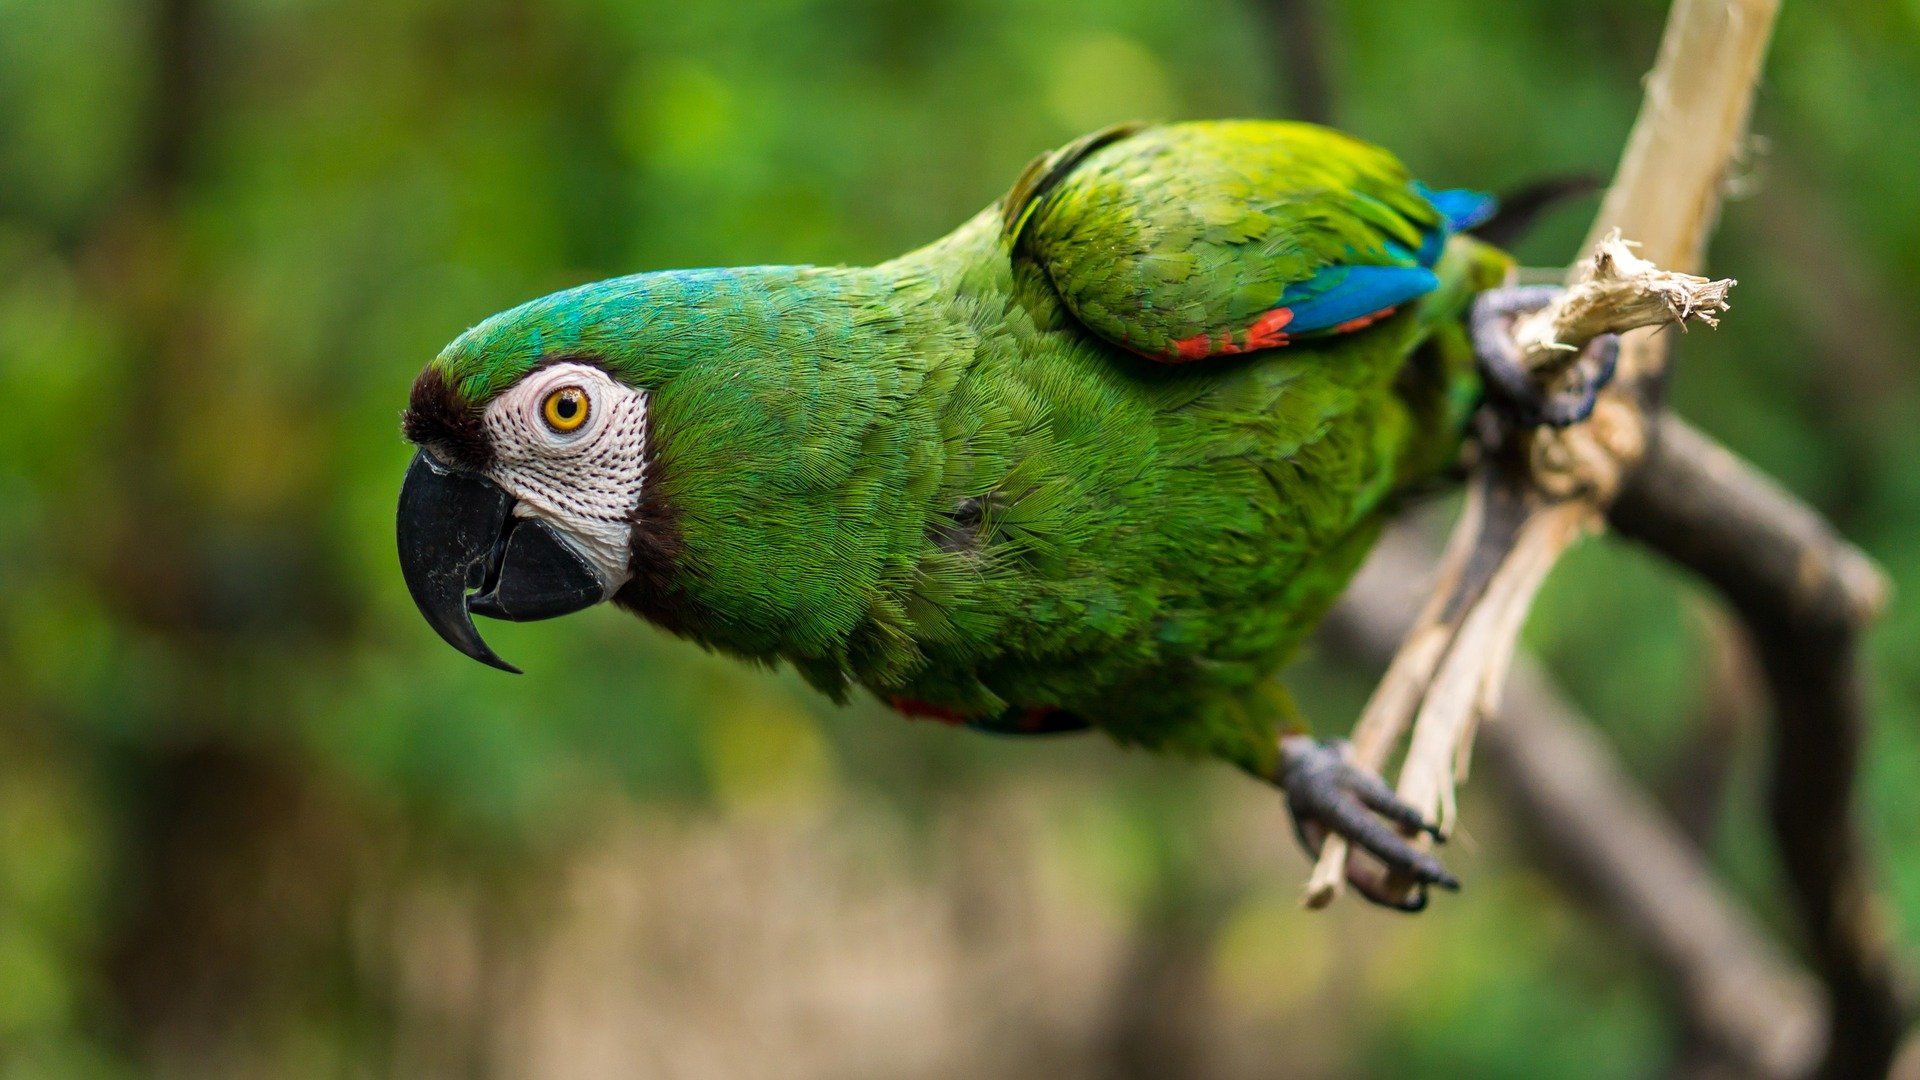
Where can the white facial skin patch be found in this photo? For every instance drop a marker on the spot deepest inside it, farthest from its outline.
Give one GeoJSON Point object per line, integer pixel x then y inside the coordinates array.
{"type": "Point", "coordinates": [584, 482]}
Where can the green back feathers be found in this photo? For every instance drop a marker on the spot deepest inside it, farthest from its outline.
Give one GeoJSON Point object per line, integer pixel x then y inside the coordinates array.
{"type": "Point", "coordinates": [1191, 233]}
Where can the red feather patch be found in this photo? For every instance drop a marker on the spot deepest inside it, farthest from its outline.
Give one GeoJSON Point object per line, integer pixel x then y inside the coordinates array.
{"type": "Point", "coordinates": [920, 710]}
{"type": "Point", "coordinates": [1267, 332]}
{"type": "Point", "coordinates": [1365, 320]}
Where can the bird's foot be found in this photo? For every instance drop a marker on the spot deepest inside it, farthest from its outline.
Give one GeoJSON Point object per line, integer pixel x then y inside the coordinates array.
{"type": "Point", "coordinates": [1328, 794]}
{"type": "Point", "coordinates": [1512, 387]}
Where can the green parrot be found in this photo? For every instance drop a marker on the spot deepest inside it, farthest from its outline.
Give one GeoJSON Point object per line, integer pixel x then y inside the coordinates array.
{"type": "Point", "coordinates": [1101, 457]}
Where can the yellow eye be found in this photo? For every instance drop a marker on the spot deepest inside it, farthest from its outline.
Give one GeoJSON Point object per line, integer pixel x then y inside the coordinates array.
{"type": "Point", "coordinates": [565, 409]}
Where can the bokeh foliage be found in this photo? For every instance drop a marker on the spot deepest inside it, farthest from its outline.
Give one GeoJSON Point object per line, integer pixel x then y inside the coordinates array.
{"type": "Point", "coordinates": [232, 230]}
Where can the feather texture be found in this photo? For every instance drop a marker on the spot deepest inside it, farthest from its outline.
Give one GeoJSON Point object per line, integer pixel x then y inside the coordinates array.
{"type": "Point", "coordinates": [953, 479]}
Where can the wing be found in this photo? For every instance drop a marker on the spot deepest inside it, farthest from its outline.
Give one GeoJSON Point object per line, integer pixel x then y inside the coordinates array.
{"type": "Point", "coordinates": [1186, 241]}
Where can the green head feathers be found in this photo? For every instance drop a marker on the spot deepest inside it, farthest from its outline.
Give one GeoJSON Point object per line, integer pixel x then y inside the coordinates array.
{"type": "Point", "coordinates": [642, 328]}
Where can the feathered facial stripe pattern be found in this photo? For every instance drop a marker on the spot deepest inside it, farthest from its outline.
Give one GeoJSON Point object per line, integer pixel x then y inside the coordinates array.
{"type": "Point", "coordinates": [439, 420]}
{"type": "Point", "coordinates": [588, 480]}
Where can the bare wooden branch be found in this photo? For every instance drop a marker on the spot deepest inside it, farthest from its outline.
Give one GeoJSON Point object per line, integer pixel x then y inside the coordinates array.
{"type": "Point", "coordinates": [1693, 120]}
{"type": "Point", "coordinates": [1473, 673]}
{"type": "Point", "coordinates": [1616, 850]}
{"type": "Point", "coordinates": [1614, 291]}
{"type": "Point", "coordinates": [1611, 847]}
{"type": "Point", "coordinates": [1772, 556]}
{"type": "Point", "coordinates": [1805, 596]}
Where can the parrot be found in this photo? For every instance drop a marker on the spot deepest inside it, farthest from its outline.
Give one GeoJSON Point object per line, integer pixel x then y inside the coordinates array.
{"type": "Point", "coordinates": [1101, 458]}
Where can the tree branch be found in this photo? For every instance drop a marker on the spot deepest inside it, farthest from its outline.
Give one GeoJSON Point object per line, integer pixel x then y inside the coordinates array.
{"type": "Point", "coordinates": [1692, 122]}
{"type": "Point", "coordinates": [1612, 846]}
{"type": "Point", "coordinates": [1805, 596]}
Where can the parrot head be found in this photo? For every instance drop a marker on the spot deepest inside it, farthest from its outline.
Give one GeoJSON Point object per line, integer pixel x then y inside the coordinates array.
{"type": "Point", "coordinates": [546, 437]}
{"type": "Point", "coordinates": [531, 465]}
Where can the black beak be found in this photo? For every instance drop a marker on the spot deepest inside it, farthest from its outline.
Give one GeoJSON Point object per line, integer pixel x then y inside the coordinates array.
{"type": "Point", "coordinates": [464, 553]}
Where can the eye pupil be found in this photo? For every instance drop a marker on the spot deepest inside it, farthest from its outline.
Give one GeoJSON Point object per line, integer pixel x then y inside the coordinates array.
{"type": "Point", "coordinates": [566, 409]}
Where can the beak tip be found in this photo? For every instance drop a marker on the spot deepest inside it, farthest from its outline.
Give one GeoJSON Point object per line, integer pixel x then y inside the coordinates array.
{"type": "Point", "coordinates": [473, 645]}
{"type": "Point", "coordinates": [484, 653]}
{"type": "Point", "coordinates": [496, 662]}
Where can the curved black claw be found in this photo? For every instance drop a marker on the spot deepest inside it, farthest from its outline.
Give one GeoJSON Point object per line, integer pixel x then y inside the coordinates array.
{"type": "Point", "coordinates": [1513, 389]}
{"type": "Point", "coordinates": [1328, 793]}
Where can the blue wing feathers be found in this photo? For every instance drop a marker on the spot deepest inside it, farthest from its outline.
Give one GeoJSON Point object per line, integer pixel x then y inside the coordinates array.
{"type": "Point", "coordinates": [1462, 208]}
{"type": "Point", "coordinates": [1341, 294]}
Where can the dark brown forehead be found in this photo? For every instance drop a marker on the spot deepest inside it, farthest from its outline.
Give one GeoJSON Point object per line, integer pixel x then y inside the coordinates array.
{"type": "Point", "coordinates": [439, 419]}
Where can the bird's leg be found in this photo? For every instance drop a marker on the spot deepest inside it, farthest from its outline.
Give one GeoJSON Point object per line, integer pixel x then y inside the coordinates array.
{"type": "Point", "coordinates": [1513, 388]}
{"type": "Point", "coordinates": [1327, 793]}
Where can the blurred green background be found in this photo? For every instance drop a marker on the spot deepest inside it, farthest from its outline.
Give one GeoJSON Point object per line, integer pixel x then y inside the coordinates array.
{"type": "Point", "coordinates": [256, 820]}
